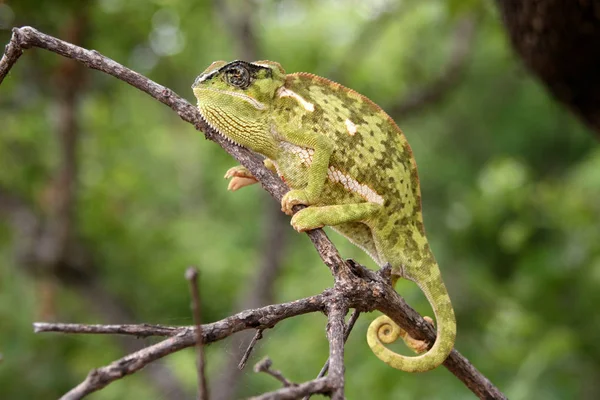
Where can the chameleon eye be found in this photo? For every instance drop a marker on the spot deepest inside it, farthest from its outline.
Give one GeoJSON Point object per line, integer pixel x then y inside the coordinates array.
{"type": "Point", "coordinates": [238, 76]}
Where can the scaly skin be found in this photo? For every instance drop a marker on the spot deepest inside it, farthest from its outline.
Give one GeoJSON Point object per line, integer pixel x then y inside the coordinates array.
{"type": "Point", "coordinates": [347, 160]}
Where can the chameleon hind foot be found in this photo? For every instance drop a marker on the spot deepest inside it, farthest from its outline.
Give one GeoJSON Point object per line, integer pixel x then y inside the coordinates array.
{"type": "Point", "coordinates": [418, 346]}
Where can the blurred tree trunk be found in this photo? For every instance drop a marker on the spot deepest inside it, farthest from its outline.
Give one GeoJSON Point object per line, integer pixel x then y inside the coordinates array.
{"type": "Point", "coordinates": [559, 41]}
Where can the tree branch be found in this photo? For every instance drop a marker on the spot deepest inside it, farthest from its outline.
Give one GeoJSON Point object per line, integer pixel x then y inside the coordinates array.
{"type": "Point", "coordinates": [335, 335]}
{"type": "Point", "coordinates": [184, 337]}
{"type": "Point", "coordinates": [358, 287]}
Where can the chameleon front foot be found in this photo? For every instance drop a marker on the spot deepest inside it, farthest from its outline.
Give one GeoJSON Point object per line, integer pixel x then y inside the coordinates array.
{"type": "Point", "coordinates": [240, 177]}
{"type": "Point", "coordinates": [293, 198]}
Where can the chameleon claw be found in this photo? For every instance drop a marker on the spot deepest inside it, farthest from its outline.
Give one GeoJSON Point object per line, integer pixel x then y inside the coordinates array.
{"type": "Point", "coordinates": [237, 183]}
{"type": "Point", "coordinates": [240, 177]}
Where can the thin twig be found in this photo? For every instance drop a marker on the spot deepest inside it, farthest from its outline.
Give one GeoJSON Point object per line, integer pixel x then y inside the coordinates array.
{"type": "Point", "coordinates": [348, 329]}
{"type": "Point", "coordinates": [335, 335]}
{"type": "Point", "coordinates": [191, 274]}
{"type": "Point", "coordinates": [139, 330]}
{"type": "Point", "coordinates": [265, 365]}
{"type": "Point", "coordinates": [255, 339]}
{"type": "Point", "coordinates": [321, 385]}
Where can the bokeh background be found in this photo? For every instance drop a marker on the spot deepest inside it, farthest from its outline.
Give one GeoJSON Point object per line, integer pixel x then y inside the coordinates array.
{"type": "Point", "coordinates": [106, 197]}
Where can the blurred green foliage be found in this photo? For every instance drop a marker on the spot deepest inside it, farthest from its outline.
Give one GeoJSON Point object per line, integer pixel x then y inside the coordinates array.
{"type": "Point", "coordinates": [511, 191]}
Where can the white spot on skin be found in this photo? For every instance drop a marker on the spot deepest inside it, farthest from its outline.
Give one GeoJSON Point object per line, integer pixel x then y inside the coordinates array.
{"type": "Point", "coordinates": [262, 65]}
{"type": "Point", "coordinates": [354, 186]}
{"type": "Point", "coordinates": [284, 92]}
{"type": "Point", "coordinates": [351, 127]}
{"type": "Point", "coordinates": [303, 153]}
{"type": "Point", "coordinates": [335, 175]}
{"type": "Point", "coordinates": [204, 77]}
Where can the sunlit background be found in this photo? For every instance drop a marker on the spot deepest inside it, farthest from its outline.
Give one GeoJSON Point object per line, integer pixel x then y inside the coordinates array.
{"type": "Point", "coordinates": [106, 197]}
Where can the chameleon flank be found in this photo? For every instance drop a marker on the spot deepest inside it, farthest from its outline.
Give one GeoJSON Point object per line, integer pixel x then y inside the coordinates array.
{"type": "Point", "coordinates": [344, 158]}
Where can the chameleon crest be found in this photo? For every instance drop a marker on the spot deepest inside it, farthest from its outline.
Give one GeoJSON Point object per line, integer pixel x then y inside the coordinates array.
{"type": "Point", "coordinates": [344, 158]}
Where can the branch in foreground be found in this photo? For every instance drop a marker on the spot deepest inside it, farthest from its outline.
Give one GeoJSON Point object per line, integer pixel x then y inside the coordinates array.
{"type": "Point", "coordinates": [384, 299]}
{"type": "Point", "coordinates": [264, 318]}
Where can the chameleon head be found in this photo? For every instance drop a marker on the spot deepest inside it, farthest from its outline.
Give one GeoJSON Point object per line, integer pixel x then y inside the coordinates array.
{"type": "Point", "coordinates": [235, 99]}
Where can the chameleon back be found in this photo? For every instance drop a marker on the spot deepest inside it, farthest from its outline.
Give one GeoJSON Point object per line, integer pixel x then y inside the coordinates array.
{"type": "Point", "coordinates": [372, 160]}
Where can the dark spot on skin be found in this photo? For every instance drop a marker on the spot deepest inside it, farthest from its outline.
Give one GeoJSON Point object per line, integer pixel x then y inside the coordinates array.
{"type": "Point", "coordinates": [339, 119]}
{"type": "Point", "coordinates": [325, 101]}
{"type": "Point", "coordinates": [287, 109]}
{"type": "Point", "coordinates": [371, 149]}
{"type": "Point", "coordinates": [371, 133]}
{"type": "Point", "coordinates": [315, 129]}
{"type": "Point", "coordinates": [360, 155]}
{"type": "Point", "coordinates": [336, 109]}
{"type": "Point", "coordinates": [391, 179]}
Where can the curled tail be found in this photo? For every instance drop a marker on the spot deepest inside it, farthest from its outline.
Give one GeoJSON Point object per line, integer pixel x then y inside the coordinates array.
{"type": "Point", "coordinates": [384, 331]}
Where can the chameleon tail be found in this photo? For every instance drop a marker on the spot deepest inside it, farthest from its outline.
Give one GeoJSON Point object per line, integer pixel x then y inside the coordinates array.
{"type": "Point", "coordinates": [383, 330]}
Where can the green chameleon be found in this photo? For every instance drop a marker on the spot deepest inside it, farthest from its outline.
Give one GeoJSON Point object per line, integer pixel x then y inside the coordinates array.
{"type": "Point", "coordinates": [344, 158]}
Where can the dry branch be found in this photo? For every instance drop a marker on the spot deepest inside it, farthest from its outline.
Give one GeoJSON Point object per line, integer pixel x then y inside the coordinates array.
{"type": "Point", "coordinates": [257, 336]}
{"type": "Point", "coordinates": [355, 287]}
{"type": "Point", "coordinates": [265, 365]}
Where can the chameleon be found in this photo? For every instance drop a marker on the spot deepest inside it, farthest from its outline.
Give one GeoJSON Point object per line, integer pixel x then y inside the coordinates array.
{"type": "Point", "coordinates": [346, 160]}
